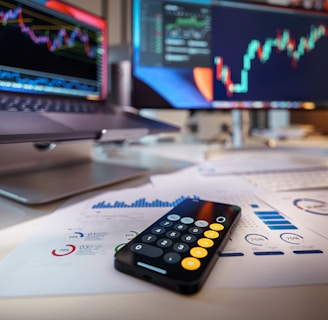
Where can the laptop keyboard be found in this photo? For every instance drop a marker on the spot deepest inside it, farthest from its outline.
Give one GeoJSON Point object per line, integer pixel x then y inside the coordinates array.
{"type": "Point", "coordinates": [37, 104]}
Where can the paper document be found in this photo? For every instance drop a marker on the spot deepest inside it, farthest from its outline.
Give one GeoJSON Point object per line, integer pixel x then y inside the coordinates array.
{"type": "Point", "coordinates": [280, 240]}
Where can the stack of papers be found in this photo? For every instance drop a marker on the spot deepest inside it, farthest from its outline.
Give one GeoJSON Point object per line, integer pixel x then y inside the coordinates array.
{"type": "Point", "coordinates": [281, 239]}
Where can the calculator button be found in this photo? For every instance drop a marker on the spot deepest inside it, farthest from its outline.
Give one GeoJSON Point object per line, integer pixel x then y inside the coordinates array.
{"type": "Point", "coordinates": [173, 234]}
{"type": "Point", "coordinates": [195, 230]}
{"type": "Point", "coordinates": [158, 230]}
{"type": "Point", "coordinates": [217, 226]}
{"type": "Point", "coordinates": [189, 238]}
{"type": "Point", "coordinates": [173, 217]}
{"type": "Point", "coordinates": [149, 238]}
{"type": "Point", "coordinates": [190, 263]}
{"type": "Point", "coordinates": [221, 219]}
{"type": "Point", "coordinates": [187, 220]}
{"type": "Point", "coordinates": [201, 223]}
{"type": "Point", "coordinates": [211, 234]}
{"type": "Point", "coordinates": [164, 243]}
{"type": "Point", "coordinates": [198, 252]}
{"type": "Point", "coordinates": [205, 242]}
{"type": "Point", "coordinates": [147, 250]}
{"type": "Point", "coordinates": [180, 227]}
{"type": "Point", "coordinates": [172, 257]}
{"type": "Point", "coordinates": [166, 224]}
{"type": "Point", "coordinates": [180, 247]}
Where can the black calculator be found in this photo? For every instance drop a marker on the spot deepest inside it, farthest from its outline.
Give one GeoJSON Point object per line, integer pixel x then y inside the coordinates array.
{"type": "Point", "coordinates": [180, 249]}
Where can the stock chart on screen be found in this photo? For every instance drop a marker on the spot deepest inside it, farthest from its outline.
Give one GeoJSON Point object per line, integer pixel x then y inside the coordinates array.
{"type": "Point", "coordinates": [56, 44]}
{"type": "Point", "coordinates": [269, 54]}
{"type": "Point", "coordinates": [194, 54]}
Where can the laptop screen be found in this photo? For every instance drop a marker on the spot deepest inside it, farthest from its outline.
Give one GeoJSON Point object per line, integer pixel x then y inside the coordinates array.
{"type": "Point", "coordinates": [52, 48]}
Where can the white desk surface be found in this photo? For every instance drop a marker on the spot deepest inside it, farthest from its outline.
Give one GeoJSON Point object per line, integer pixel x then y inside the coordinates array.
{"type": "Point", "coordinates": [18, 221]}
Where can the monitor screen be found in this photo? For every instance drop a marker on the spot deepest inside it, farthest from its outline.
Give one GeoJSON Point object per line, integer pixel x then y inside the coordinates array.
{"type": "Point", "coordinates": [65, 49]}
{"type": "Point", "coordinates": [228, 54]}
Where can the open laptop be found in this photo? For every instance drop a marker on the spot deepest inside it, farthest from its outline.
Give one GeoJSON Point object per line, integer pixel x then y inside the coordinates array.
{"type": "Point", "coordinates": [53, 103]}
{"type": "Point", "coordinates": [53, 77]}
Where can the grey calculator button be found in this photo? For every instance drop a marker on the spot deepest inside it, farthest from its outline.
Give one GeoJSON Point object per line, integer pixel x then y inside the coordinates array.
{"type": "Point", "coordinates": [166, 223]}
{"type": "Point", "coordinates": [201, 223]}
{"type": "Point", "coordinates": [172, 257]}
{"type": "Point", "coordinates": [173, 217]}
{"type": "Point", "coordinates": [187, 220]}
{"type": "Point", "coordinates": [195, 230]}
{"type": "Point", "coordinates": [180, 247]}
{"type": "Point", "coordinates": [164, 243]}
{"type": "Point", "coordinates": [147, 250]}
{"type": "Point", "coordinates": [158, 230]}
{"type": "Point", "coordinates": [180, 227]}
{"type": "Point", "coordinates": [173, 234]}
{"type": "Point", "coordinates": [149, 238]}
{"type": "Point", "coordinates": [189, 238]}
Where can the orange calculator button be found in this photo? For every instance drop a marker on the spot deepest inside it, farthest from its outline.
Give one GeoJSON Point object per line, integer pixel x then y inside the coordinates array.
{"type": "Point", "coordinates": [190, 263]}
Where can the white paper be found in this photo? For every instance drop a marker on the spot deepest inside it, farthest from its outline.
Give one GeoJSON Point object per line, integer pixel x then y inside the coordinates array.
{"type": "Point", "coordinates": [72, 251]}
{"type": "Point", "coordinates": [257, 256]}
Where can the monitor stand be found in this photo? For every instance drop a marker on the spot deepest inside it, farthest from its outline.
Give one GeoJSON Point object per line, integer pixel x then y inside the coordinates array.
{"type": "Point", "coordinates": [238, 128]}
{"type": "Point", "coordinates": [228, 127]}
{"type": "Point", "coordinates": [40, 173]}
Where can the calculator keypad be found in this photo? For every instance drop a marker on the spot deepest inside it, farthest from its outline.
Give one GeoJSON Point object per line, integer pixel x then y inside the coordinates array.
{"type": "Point", "coordinates": [180, 240]}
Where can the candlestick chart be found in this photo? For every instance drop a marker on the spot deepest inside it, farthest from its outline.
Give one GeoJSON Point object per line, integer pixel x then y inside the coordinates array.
{"type": "Point", "coordinates": [268, 55]}
{"type": "Point", "coordinates": [283, 42]}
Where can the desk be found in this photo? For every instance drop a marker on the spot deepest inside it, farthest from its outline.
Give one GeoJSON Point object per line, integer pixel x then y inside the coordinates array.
{"type": "Point", "coordinates": [18, 221]}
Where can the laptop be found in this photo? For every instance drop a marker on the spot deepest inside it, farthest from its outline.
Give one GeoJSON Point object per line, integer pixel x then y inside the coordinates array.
{"type": "Point", "coordinates": [54, 103]}
{"type": "Point", "coordinates": [53, 77]}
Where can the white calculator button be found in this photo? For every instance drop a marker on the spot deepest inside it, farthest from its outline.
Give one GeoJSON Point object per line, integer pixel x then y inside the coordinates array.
{"type": "Point", "coordinates": [173, 217]}
{"type": "Point", "coordinates": [187, 220]}
{"type": "Point", "coordinates": [201, 223]}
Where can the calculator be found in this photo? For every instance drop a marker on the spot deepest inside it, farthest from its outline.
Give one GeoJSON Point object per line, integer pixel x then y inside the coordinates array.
{"type": "Point", "coordinates": [179, 250]}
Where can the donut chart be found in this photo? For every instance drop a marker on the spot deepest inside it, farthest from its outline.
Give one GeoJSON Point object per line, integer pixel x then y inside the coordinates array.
{"type": "Point", "coordinates": [313, 206]}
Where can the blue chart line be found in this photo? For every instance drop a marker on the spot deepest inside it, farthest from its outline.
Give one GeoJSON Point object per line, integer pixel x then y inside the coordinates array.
{"type": "Point", "coordinates": [141, 203]}
{"type": "Point", "coordinates": [53, 83]}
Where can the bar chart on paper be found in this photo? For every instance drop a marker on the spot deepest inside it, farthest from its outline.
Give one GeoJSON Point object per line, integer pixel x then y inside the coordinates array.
{"type": "Point", "coordinates": [308, 209]}
{"type": "Point", "coordinates": [267, 230]}
{"type": "Point", "coordinates": [142, 203]}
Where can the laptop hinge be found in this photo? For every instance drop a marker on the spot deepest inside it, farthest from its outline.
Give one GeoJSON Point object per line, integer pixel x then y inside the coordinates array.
{"type": "Point", "coordinates": [121, 135]}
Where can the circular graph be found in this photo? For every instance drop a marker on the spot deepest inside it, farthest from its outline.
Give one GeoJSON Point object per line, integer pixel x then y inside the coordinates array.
{"type": "Point", "coordinates": [313, 206]}
{"type": "Point", "coordinates": [64, 251]}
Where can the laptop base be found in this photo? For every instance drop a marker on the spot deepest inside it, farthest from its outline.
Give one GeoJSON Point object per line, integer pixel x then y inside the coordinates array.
{"type": "Point", "coordinates": [39, 173]}
{"type": "Point", "coordinates": [46, 185]}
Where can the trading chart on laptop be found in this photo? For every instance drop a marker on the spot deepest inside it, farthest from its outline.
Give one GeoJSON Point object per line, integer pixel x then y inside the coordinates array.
{"type": "Point", "coordinates": [52, 48]}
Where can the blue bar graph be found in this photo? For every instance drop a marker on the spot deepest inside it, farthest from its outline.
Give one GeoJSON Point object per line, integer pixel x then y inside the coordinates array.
{"type": "Point", "coordinates": [274, 220]}
{"type": "Point", "coordinates": [141, 203]}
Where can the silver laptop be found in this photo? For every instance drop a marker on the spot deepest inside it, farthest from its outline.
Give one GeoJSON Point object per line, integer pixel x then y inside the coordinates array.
{"type": "Point", "coordinates": [53, 89]}
{"type": "Point", "coordinates": [53, 76]}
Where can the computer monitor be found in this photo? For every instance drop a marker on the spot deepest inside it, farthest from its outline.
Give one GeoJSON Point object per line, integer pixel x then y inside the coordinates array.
{"type": "Point", "coordinates": [207, 55]}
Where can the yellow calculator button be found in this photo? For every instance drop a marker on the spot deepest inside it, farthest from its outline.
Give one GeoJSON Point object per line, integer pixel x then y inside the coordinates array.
{"type": "Point", "coordinates": [205, 242]}
{"type": "Point", "coordinates": [198, 252]}
{"type": "Point", "coordinates": [190, 263]}
{"type": "Point", "coordinates": [211, 234]}
{"type": "Point", "coordinates": [217, 226]}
